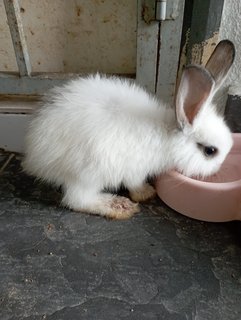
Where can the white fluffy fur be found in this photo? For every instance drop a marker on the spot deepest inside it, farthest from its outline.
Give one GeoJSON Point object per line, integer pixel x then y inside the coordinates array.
{"type": "Point", "coordinates": [97, 133]}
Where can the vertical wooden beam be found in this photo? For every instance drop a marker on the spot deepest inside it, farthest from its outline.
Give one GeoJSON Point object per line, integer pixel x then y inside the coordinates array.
{"type": "Point", "coordinates": [170, 41]}
{"type": "Point", "coordinates": [17, 34]}
{"type": "Point", "coordinates": [147, 44]}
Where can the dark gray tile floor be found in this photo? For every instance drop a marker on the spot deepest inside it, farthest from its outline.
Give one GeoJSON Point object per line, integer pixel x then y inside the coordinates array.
{"type": "Point", "coordinates": [59, 265]}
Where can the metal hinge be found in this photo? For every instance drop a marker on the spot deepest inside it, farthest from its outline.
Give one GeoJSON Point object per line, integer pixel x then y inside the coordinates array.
{"type": "Point", "coordinates": [160, 10]}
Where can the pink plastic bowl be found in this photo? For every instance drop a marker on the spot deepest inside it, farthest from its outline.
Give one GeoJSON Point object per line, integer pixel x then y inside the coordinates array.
{"type": "Point", "coordinates": [216, 199]}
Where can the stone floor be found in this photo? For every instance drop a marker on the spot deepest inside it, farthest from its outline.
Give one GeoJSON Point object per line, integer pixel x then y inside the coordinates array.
{"type": "Point", "coordinates": [59, 265]}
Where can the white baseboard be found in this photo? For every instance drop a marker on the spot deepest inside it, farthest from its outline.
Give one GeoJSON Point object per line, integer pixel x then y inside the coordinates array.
{"type": "Point", "coordinates": [12, 131]}
{"type": "Point", "coordinates": [15, 113]}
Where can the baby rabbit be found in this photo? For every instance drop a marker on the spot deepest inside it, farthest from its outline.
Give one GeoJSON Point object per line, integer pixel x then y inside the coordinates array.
{"type": "Point", "coordinates": [98, 133]}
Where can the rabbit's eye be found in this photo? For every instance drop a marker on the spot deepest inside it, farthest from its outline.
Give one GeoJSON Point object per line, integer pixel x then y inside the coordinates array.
{"type": "Point", "coordinates": [209, 151]}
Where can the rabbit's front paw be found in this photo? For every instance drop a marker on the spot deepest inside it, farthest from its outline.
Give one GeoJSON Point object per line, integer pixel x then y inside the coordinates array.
{"type": "Point", "coordinates": [146, 192]}
{"type": "Point", "coordinates": [121, 208]}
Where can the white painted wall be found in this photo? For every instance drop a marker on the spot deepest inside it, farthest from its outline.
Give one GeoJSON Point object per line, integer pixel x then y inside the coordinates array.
{"type": "Point", "coordinates": [75, 36]}
{"type": "Point", "coordinates": [231, 29]}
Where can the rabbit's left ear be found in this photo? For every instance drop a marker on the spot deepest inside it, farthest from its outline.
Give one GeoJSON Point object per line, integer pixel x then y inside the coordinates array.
{"type": "Point", "coordinates": [194, 90]}
{"type": "Point", "coordinates": [221, 61]}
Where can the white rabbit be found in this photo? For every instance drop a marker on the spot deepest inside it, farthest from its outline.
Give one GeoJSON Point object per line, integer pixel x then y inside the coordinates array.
{"type": "Point", "coordinates": [99, 133]}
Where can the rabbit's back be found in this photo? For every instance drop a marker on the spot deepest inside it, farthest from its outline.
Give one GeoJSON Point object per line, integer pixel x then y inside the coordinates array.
{"type": "Point", "coordinates": [106, 125]}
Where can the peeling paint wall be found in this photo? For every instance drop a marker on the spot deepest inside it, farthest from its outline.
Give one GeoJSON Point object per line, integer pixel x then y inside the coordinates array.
{"type": "Point", "coordinates": [231, 29]}
{"type": "Point", "coordinates": [75, 36]}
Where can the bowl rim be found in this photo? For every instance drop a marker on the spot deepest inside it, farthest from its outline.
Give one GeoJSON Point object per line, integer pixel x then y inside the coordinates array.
{"type": "Point", "coordinates": [199, 183]}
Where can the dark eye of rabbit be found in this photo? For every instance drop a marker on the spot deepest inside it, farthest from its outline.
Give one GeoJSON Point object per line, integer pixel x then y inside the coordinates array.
{"type": "Point", "coordinates": [208, 151]}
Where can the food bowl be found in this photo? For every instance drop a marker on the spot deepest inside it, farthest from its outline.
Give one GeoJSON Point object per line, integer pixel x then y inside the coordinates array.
{"type": "Point", "coordinates": [216, 199]}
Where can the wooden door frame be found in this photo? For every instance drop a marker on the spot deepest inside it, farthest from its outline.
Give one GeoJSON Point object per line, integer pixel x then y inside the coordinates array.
{"type": "Point", "coordinates": [202, 20]}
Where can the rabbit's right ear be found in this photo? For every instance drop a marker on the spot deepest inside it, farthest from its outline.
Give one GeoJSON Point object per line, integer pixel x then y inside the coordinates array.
{"type": "Point", "coordinates": [195, 88]}
{"type": "Point", "coordinates": [221, 61]}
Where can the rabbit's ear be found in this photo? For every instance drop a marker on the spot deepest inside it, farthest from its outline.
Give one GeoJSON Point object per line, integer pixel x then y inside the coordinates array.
{"type": "Point", "coordinates": [221, 61]}
{"type": "Point", "coordinates": [195, 88]}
